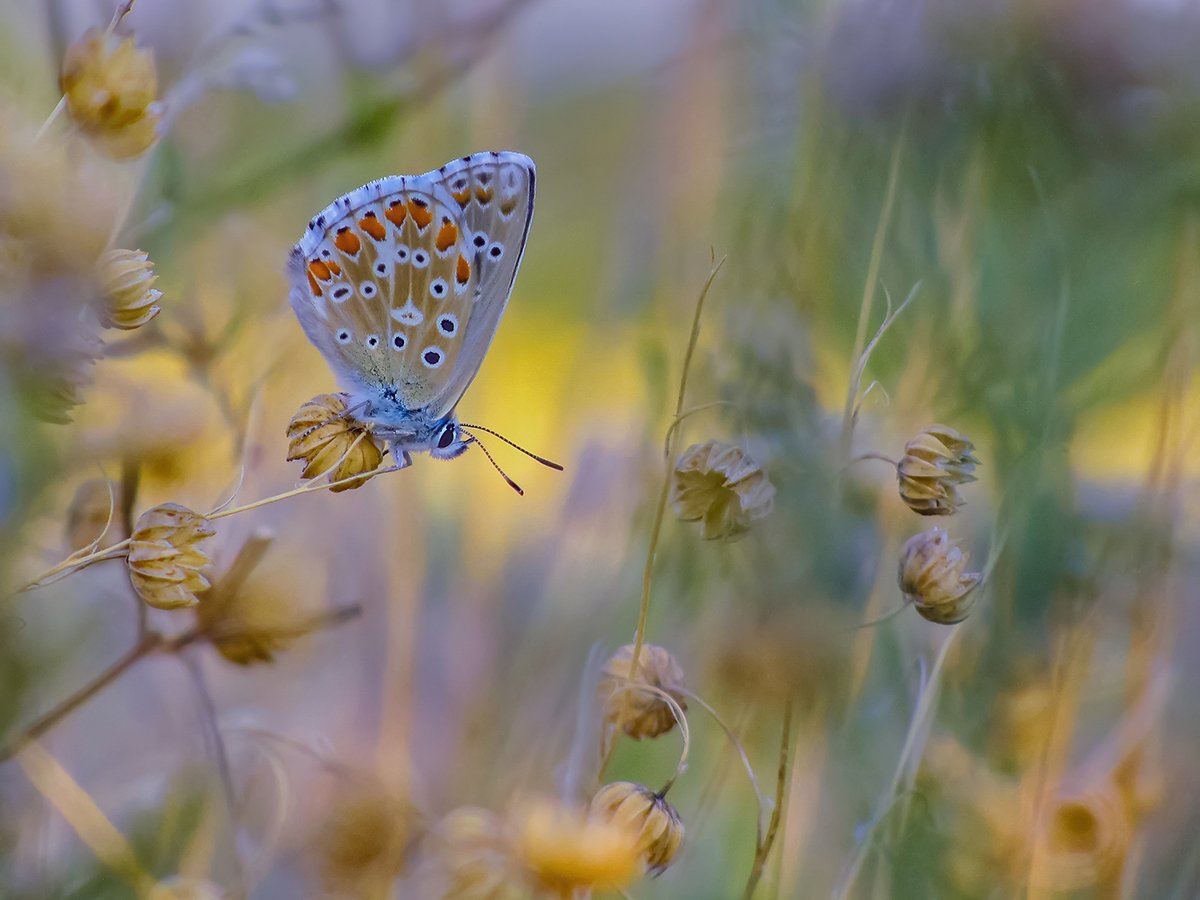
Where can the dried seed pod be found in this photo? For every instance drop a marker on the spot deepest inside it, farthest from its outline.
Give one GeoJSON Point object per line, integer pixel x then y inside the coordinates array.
{"type": "Point", "coordinates": [721, 486]}
{"type": "Point", "coordinates": [636, 712]}
{"type": "Point", "coordinates": [468, 856]}
{"type": "Point", "coordinates": [127, 279]}
{"type": "Point", "coordinates": [110, 88]}
{"type": "Point", "coordinates": [565, 850]}
{"type": "Point", "coordinates": [362, 844]}
{"type": "Point", "coordinates": [660, 830]}
{"type": "Point", "coordinates": [165, 559]}
{"type": "Point", "coordinates": [933, 576]}
{"type": "Point", "coordinates": [935, 462]}
{"type": "Point", "coordinates": [321, 434]}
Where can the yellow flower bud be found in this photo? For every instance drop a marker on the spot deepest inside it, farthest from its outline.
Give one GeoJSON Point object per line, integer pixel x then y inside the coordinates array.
{"type": "Point", "coordinates": [721, 486]}
{"type": "Point", "coordinates": [640, 713]}
{"type": "Point", "coordinates": [165, 558]}
{"type": "Point", "coordinates": [660, 830]}
{"type": "Point", "coordinates": [320, 434]}
{"type": "Point", "coordinates": [935, 462]}
{"type": "Point", "coordinates": [110, 87]}
{"type": "Point", "coordinates": [127, 278]}
{"type": "Point", "coordinates": [565, 850]}
{"type": "Point", "coordinates": [468, 856]}
{"type": "Point", "coordinates": [1084, 837]}
{"type": "Point", "coordinates": [933, 577]}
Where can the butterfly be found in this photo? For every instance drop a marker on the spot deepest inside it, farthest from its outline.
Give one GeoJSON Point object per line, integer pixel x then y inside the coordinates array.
{"type": "Point", "coordinates": [401, 283]}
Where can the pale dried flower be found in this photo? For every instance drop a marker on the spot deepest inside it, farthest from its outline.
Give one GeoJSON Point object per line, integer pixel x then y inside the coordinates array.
{"type": "Point", "coordinates": [165, 559]}
{"type": "Point", "coordinates": [564, 850]}
{"type": "Point", "coordinates": [1083, 838]}
{"type": "Point", "coordinates": [363, 842]}
{"type": "Point", "coordinates": [111, 88]}
{"type": "Point", "coordinates": [640, 713]}
{"type": "Point", "coordinates": [935, 462]}
{"type": "Point", "coordinates": [468, 856]}
{"type": "Point", "coordinates": [933, 577]}
{"type": "Point", "coordinates": [127, 280]}
{"type": "Point", "coordinates": [321, 434]}
{"type": "Point", "coordinates": [721, 486]}
{"type": "Point", "coordinates": [660, 830]}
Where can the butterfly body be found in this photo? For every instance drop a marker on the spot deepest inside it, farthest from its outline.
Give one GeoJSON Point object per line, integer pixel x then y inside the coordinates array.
{"type": "Point", "coordinates": [401, 283]}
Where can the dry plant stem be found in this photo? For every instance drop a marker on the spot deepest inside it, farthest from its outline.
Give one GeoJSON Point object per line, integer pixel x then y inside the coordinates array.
{"type": "Point", "coordinates": [152, 642]}
{"type": "Point", "coordinates": [74, 563]}
{"type": "Point", "coordinates": [864, 311]}
{"type": "Point", "coordinates": [741, 752]}
{"type": "Point", "coordinates": [684, 730]}
{"type": "Point", "coordinates": [660, 509]}
{"type": "Point", "coordinates": [917, 726]}
{"type": "Point", "coordinates": [766, 841]}
{"type": "Point", "coordinates": [149, 643]}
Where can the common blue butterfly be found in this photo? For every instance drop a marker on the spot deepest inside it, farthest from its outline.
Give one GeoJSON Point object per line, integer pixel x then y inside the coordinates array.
{"type": "Point", "coordinates": [401, 284]}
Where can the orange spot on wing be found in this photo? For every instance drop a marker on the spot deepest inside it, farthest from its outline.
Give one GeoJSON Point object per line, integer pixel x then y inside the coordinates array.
{"type": "Point", "coordinates": [313, 286]}
{"type": "Point", "coordinates": [333, 267]}
{"type": "Point", "coordinates": [463, 271]}
{"type": "Point", "coordinates": [372, 226]}
{"type": "Point", "coordinates": [396, 212]}
{"type": "Point", "coordinates": [318, 269]}
{"type": "Point", "coordinates": [419, 210]}
{"type": "Point", "coordinates": [347, 241]}
{"type": "Point", "coordinates": [508, 206]}
{"type": "Point", "coordinates": [483, 195]}
{"type": "Point", "coordinates": [447, 235]}
{"type": "Point", "coordinates": [462, 196]}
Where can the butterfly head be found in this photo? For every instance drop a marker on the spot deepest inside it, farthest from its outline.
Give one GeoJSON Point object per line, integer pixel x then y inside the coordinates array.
{"type": "Point", "coordinates": [448, 439]}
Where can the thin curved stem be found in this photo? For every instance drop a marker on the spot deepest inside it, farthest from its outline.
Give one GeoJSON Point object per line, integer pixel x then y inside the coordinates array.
{"type": "Point", "coordinates": [736, 742]}
{"type": "Point", "coordinates": [660, 508]}
{"type": "Point", "coordinates": [766, 841]}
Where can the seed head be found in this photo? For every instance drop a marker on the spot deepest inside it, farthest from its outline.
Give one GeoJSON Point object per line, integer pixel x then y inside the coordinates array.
{"type": "Point", "coordinates": [110, 87]}
{"type": "Point", "coordinates": [127, 279]}
{"type": "Point", "coordinates": [721, 486]}
{"type": "Point", "coordinates": [468, 856]}
{"type": "Point", "coordinates": [321, 434]}
{"type": "Point", "coordinates": [660, 830]}
{"type": "Point", "coordinates": [933, 576]}
{"type": "Point", "coordinates": [165, 558]}
{"type": "Point", "coordinates": [363, 842]}
{"type": "Point", "coordinates": [935, 462]}
{"type": "Point", "coordinates": [640, 713]}
{"type": "Point", "coordinates": [564, 849]}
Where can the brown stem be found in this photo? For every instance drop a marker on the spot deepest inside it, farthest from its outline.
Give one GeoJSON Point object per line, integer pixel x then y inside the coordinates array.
{"type": "Point", "coordinates": [766, 841]}
{"type": "Point", "coordinates": [149, 643]}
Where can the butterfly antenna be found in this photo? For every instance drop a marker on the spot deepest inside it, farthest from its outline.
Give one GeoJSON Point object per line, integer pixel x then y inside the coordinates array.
{"type": "Point", "coordinates": [512, 484]}
{"type": "Point", "coordinates": [542, 460]}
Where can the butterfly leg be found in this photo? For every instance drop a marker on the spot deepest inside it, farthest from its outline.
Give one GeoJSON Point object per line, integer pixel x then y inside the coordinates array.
{"type": "Point", "coordinates": [401, 458]}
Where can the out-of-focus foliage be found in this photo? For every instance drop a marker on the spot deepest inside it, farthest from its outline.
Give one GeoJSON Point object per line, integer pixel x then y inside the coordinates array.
{"type": "Point", "coordinates": [420, 685]}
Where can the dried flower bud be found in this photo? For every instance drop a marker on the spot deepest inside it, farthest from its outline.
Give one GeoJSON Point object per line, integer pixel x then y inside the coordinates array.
{"type": "Point", "coordinates": [723, 487]}
{"type": "Point", "coordinates": [1083, 839]}
{"type": "Point", "coordinates": [565, 850]}
{"type": "Point", "coordinates": [127, 278]}
{"type": "Point", "coordinates": [110, 87]}
{"type": "Point", "coordinates": [93, 507]}
{"type": "Point", "coordinates": [935, 462]}
{"type": "Point", "coordinates": [467, 856]}
{"type": "Point", "coordinates": [165, 558]}
{"type": "Point", "coordinates": [320, 434]}
{"type": "Point", "coordinates": [660, 830]}
{"type": "Point", "coordinates": [363, 842]}
{"type": "Point", "coordinates": [933, 577]}
{"type": "Point", "coordinates": [641, 713]}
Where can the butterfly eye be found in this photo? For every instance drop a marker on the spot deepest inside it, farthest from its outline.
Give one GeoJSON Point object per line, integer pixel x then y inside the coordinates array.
{"type": "Point", "coordinates": [447, 436]}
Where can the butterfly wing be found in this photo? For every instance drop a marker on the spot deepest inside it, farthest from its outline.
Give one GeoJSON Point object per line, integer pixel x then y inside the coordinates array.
{"type": "Point", "coordinates": [494, 192]}
{"type": "Point", "coordinates": [397, 287]}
